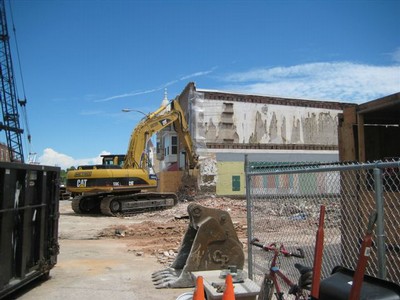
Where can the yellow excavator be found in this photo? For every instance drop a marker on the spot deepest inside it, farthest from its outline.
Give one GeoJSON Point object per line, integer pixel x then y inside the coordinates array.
{"type": "Point", "coordinates": [118, 186]}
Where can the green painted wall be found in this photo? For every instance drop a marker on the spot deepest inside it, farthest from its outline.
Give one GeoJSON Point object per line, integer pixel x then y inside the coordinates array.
{"type": "Point", "coordinates": [228, 183]}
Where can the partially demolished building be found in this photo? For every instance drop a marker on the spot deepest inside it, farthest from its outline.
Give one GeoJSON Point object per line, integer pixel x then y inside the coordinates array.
{"type": "Point", "coordinates": [225, 126]}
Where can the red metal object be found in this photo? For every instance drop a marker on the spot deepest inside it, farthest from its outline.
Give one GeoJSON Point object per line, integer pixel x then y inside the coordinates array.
{"type": "Point", "coordinates": [318, 253]}
{"type": "Point", "coordinates": [363, 258]}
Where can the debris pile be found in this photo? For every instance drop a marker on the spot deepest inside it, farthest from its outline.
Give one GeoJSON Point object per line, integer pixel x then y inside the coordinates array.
{"type": "Point", "coordinates": [160, 233]}
{"type": "Point", "coordinates": [188, 188]}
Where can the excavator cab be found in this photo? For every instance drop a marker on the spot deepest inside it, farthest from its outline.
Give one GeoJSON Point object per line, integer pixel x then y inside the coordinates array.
{"type": "Point", "coordinates": [114, 159]}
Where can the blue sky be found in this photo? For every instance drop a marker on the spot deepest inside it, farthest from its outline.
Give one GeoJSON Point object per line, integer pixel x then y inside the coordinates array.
{"type": "Point", "coordinates": [83, 61]}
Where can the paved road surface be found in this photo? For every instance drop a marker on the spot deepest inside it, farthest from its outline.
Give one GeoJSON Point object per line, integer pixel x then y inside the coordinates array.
{"type": "Point", "coordinates": [99, 269]}
{"type": "Point", "coordinates": [96, 269]}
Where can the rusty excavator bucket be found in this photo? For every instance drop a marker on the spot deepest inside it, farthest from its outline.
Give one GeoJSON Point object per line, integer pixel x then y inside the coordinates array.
{"type": "Point", "coordinates": [210, 243]}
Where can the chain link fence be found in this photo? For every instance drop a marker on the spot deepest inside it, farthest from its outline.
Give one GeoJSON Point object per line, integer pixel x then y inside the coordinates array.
{"type": "Point", "coordinates": [284, 203]}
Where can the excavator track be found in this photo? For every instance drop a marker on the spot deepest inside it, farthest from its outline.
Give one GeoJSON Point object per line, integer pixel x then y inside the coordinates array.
{"type": "Point", "coordinates": [75, 205]}
{"type": "Point", "coordinates": [86, 204]}
{"type": "Point", "coordinates": [122, 205]}
{"type": "Point", "coordinates": [117, 205]}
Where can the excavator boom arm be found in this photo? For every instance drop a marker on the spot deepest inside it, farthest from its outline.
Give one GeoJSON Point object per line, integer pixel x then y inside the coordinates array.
{"type": "Point", "coordinates": [153, 123]}
{"type": "Point", "coordinates": [182, 128]}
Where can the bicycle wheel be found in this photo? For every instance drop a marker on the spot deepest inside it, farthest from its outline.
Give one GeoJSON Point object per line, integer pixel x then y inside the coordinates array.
{"type": "Point", "coordinates": [267, 288]}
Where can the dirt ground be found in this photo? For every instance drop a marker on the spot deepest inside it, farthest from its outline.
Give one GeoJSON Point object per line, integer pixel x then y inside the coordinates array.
{"type": "Point", "coordinates": [159, 234]}
{"type": "Point", "coordinates": [103, 257]}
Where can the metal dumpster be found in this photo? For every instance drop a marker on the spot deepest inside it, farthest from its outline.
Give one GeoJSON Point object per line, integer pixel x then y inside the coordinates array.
{"type": "Point", "coordinates": [29, 214]}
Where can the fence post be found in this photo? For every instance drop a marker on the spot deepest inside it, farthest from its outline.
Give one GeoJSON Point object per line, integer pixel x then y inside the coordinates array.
{"type": "Point", "coordinates": [380, 225]}
{"type": "Point", "coordinates": [249, 227]}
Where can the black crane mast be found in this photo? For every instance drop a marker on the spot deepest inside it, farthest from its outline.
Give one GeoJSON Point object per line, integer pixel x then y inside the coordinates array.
{"type": "Point", "coordinates": [8, 96]}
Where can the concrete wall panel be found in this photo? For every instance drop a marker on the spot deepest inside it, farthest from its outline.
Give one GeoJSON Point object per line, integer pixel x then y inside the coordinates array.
{"type": "Point", "coordinates": [260, 123]}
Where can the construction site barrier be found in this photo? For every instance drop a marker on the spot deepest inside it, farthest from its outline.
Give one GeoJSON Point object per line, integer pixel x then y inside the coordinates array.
{"type": "Point", "coordinates": [283, 203]}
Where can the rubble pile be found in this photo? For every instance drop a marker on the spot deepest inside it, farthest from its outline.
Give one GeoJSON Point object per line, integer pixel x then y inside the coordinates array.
{"type": "Point", "coordinates": [160, 233]}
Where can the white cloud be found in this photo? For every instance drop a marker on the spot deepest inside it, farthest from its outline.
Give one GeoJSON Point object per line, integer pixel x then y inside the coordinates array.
{"type": "Point", "coordinates": [162, 86]}
{"type": "Point", "coordinates": [127, 95]}
{"type": "Point", "coordinates": [51, 157]}
{"type": "Point", "coordinates": [340, 81]}
{"type": "Point", "coordinates": [201, 73]}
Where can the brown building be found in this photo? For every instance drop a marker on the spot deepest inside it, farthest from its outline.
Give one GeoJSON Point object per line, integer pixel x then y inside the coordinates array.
{"type": "Point", "coordinates": [370, 131]}
{"type": "Point", "coordinates": [4, 153]}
